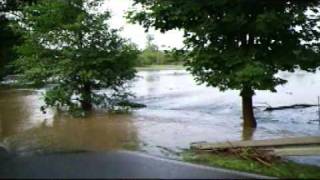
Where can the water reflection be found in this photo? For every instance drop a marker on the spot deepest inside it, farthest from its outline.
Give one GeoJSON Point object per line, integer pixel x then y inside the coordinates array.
{"type": "Point", "coordinates": [97, 132]}
{"type": "Point", "coordinates": [27, 130]}
{"type": "Point", "coordinates": [19, 110]}
{"type": "Point", "coordinates": [247, 133]}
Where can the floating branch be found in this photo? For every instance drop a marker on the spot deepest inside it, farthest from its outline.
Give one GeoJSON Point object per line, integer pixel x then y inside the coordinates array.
{"type": "Point", "coordinates": [295, 106]}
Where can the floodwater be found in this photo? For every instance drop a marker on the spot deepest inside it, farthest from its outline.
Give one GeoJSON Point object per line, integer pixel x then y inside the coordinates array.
{"type": "Point", "coordinates": [178, 113]}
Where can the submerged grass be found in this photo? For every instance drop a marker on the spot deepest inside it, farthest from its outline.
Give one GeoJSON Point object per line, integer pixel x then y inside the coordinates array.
{"type": "Point", "coordinates": [280, 168]}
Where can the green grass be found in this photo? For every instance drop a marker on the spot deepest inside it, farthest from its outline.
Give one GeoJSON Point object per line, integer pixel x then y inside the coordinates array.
{"type": "Point", "coordinates": [160, 67]}
{"type": "Point", "coordinates": [281, 169]}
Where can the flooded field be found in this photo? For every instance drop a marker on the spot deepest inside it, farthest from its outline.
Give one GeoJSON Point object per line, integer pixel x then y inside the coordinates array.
{"type": "Point", "coordinates": [178, 112]}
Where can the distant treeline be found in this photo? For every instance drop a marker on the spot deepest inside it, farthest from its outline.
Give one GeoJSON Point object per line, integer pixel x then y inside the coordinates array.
{"type": "Point", "coordinates": [151, 55]}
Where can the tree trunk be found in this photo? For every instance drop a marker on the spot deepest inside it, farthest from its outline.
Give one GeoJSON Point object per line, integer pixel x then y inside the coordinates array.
{"type": "Point", "coordinates": [249, 120]}
{"type": "Point", "coordinates": [247, 133]}
{"type": "Point", "coordinates": [86, 102]}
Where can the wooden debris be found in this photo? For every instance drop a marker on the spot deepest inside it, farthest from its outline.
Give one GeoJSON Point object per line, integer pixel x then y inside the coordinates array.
{"type": "Point", "coordinates": [263, 151]}
{"type": "Point", "coordinates": [263, 162]}
{"type": "Point", "coordinates": [260, 155]}
{"type": "Point", "coordinates": [295, 106]}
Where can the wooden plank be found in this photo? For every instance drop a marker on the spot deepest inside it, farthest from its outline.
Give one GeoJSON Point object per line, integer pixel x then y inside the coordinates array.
{"type": "Point", "coordinates": [297, 151]}
{"type": "Point", "coordinates": [259, 143]}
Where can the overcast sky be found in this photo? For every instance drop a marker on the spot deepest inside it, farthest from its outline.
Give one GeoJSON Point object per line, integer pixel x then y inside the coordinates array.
{"type": "Point", "coordinates": [136, 33]}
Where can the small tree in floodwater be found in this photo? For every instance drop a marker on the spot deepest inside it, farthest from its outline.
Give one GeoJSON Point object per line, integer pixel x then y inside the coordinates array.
{"type": "Point", "coordinates": [68, 44]}
{"type": "Point", "coordinates": [239, 44]}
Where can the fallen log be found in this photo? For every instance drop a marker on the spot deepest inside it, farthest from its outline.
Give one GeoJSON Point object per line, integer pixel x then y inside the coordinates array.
{"type": "Point", "coordinates": [131, 104]}
{"type": "Point", "coordinates": [295, 106]}
{"type": "Point", "coordinates": [283, 142]}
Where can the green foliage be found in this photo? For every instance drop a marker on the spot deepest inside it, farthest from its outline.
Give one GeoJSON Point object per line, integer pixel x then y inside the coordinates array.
{"type": "Point", "coordinates": [237, 44]}
{"type": "Point", "coordinates": [151, 55]}
{"type": "Point", "coordinates": [279, 169]}
{"type": "Point", "coordinates": [174, 57]}
{"type": "Point", "coordinates": [148, 57]}
{"type": "Point", "coordinates": [7, 40]}
{"type": "Point", "coordinates": [68, 45]}
{"type": "Point", "coordinates": [8, 37]}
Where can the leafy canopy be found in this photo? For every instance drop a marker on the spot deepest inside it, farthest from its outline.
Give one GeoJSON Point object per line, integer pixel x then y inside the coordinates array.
{"type": "Point", "coordinates": [239, 44]}
{"type": "Point", "coordinates": [8, 38]}
{"type": "Point", "coordinates": [70, 45]}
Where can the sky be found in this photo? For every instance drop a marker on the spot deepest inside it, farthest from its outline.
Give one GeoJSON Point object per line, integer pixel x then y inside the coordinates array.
{"type": "Point", "coordinates": [135, 32]}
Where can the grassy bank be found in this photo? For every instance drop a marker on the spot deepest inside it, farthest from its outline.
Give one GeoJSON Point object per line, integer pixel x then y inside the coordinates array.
{"type": "Point", "coordinates": [160, 67]}
{"type": "Point", "coordinates": [281, 169]}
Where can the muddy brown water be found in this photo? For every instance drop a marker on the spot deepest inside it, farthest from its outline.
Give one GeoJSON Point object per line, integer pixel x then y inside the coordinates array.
{"type": "Point", "coordinates": [178, 113]}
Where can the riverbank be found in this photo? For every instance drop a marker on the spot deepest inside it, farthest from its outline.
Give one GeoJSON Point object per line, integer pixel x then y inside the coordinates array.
{"type": "Point", "coordinates": [278, 168]}
{"type": "Point", "coordinates": [160, 67]}
{"type": "Point", "coordinates": [10, 82]}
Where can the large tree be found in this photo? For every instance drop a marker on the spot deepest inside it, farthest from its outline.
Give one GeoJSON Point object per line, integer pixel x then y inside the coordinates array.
{"type": "Point", "coordinates": [238, 44]}
{"type": "Point", "coordinates": [70, 45]}
{"type": "Point", "coordinates": [8, 38]}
